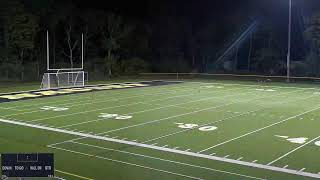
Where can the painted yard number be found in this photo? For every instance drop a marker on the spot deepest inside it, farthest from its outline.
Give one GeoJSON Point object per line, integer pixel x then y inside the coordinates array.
{"type": "Point", "coordinates": [267, 90]}
{"type": "Point", "coordinates": [114, 116]}
{"type": "Point", "coordinates": [192, 126]}
{"type": "Point", "coordinates": [52, 108]}
{"type": "Point", "coordinates": [299, 140]}
{"type": "Point", "coordinates": [211, 86]}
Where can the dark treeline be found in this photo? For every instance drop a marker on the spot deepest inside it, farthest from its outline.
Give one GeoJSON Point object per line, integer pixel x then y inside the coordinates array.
{"type": "Point", "coordinates": [122, 38]}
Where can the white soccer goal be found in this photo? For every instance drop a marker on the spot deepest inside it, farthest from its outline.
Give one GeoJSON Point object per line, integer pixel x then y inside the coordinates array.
{"type": "Point", "coordinates": [63, 79]}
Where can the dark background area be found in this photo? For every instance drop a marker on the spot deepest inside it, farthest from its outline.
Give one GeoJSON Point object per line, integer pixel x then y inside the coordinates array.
{"type": "Point", "coordinates": [130, 37]}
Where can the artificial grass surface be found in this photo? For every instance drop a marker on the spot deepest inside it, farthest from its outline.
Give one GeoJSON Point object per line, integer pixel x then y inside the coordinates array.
{"type": "Point", "coordinates": [223, 119]}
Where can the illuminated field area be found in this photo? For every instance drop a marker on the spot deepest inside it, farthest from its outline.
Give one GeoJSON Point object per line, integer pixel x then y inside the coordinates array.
{"type": "Point", "coordinates": [186, 130]}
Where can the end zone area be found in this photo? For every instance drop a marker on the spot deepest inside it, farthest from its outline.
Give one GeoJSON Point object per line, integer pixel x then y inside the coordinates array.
{"type": "Point", "coordinates": [189, 130]}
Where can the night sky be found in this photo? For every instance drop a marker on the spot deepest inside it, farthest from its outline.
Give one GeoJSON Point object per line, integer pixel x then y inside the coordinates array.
{"type": "Point", "coordinates": [197, 11]}
{"type": "Point", "coordinates": [228, 17]}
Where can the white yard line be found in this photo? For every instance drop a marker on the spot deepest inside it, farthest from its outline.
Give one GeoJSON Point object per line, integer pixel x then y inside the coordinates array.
{"type": "Point", "coordinates": [161, 149]}
{"type": "Point", "coordinates": [184, 114]}
{"type": "Point", "coordinates": [152, 109]}
{"type": "Point", "coordinates": [83, 112]}
{"type": "Point", "coordinates": [163, 119]}
{"type": "Point", "coordinates": [6, 108]}
{"type": "Point", "coordinates": [170, 161]}
{"type": "Point", "coordinates": [126, 163]}
{"type": "Point", "coordinates": [185, 130]}
{"type": "Point", "coordinates": [290, 152]}
{"type": "Point", "coordinates": [71, 174]}
{"type": "Point", "coordinates": [144, 111]}
{"type": "Point", "coordinates": [221, 120]}
{"type": "Point", "coordinates": [250, 85]}
{"type": "Point", "coordinates": [258, 130]}
{"type": "Point", "coordinates": [98, 94]}
{"type": "Point", "coordinates": [117, 99]}
{"type": "Point", "coordinates": [181, 107]}
{"type": "Point", "coordinates": [101, 92]}
{"type": "Point", "coordinates": [81, 103]}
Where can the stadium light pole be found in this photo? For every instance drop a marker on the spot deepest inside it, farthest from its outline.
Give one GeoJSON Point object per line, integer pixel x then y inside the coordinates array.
{"type": "Point", "coordinates": [289, 41]}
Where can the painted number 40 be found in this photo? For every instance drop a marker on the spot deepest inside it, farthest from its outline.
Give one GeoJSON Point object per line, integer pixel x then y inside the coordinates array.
{"type": "Point", "coordinates": [114, 116]}
{"type": "Point", "coordinates": [193, 126]}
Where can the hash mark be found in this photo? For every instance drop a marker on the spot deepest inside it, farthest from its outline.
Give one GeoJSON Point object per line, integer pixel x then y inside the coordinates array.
{"type": "Point", "coordinates": [302, 169]}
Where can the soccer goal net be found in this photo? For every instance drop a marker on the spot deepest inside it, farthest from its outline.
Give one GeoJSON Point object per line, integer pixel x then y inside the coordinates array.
{"type": "Point", "coordinates": [63, 79]}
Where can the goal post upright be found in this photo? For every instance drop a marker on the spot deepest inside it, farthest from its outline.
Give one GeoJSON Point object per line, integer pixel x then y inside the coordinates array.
{"type": "Point", "coordinates": [65, 69]}
{"type": "Point", "coordinates": [62, 77]}
{"type": "Point", "coordinates": [82, 51]}
{"type": "Point", "coordinates": [48, 52]}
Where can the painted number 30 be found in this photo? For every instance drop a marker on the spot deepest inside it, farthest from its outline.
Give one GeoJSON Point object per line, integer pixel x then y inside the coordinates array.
{"type": "Point", "coordinates": [192, 126]}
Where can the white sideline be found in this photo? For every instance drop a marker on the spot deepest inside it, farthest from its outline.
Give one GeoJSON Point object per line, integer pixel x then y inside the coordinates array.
{"type": "Point", "coordinates": [255, 131]}
{"type": "Point", "coordinates": [127, 163]}
{"type": "Point", "coordinates": [249, 164]}
{"type": "Point", "coordinates": [166, 160]}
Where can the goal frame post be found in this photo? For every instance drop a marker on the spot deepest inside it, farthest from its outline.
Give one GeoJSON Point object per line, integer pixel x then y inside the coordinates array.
{"type": "Point", "coordinates": [65, 69]}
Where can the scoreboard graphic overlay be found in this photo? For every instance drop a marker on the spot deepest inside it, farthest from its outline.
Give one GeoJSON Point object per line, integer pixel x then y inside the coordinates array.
{"type": "Point", "coordinates": [27, 165]}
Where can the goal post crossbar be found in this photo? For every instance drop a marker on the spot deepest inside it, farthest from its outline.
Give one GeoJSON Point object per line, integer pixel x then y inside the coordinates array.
{"type": "Point", "coordinates": [65, 69]}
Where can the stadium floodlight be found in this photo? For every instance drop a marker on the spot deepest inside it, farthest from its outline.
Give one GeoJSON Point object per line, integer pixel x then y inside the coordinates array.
{"type": "Point", "coordinates": [289, 41]}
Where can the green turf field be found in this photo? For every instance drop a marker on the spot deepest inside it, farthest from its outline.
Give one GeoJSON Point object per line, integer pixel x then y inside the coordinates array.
{"type": "Point", "coordinates": [190, 130]}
